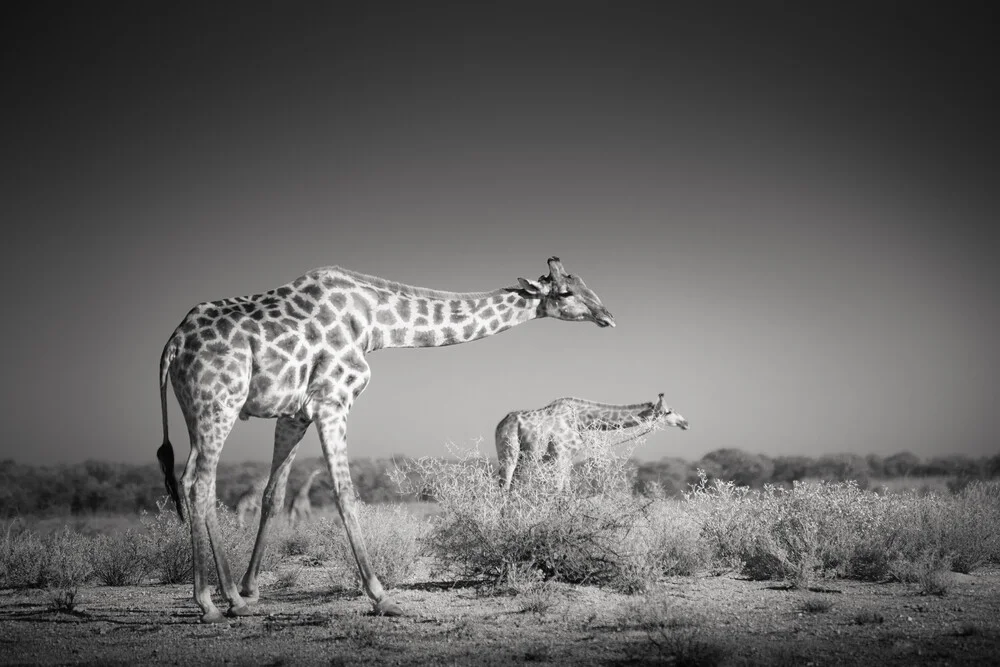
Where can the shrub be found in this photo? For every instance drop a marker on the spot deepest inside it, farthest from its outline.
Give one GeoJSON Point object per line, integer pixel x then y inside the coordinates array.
{"type": "Point", "coordinates": [58, 560]}
{"type": "Point", "coordinates": [169, 544]}
{"type": "Point", "coordinates": [22, 558]}
{"type": "Point", "coordinates": [66, 563]}
{"type": "Point", "coordinates": [590, 529]}
{"type": "Point", "coordinates": [868, 617]}
{"type": "Point", "coordinates": [817, 606]}
{"type": "Point", "coordinates": [821, 529]}
{"type": "Point", "coordinates": [288, 578]}
{"type": "Point", "coordinates": [391, 538]}
{"type": "Point", "coordinates": [121, 559]}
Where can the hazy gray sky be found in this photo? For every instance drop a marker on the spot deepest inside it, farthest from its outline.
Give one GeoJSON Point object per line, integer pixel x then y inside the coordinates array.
{"type": "Point", "coordinates": [790, 212]}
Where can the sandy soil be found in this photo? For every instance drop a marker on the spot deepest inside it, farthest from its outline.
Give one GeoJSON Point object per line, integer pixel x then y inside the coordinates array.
{"type": "Point", "coordinates": [692, 620]}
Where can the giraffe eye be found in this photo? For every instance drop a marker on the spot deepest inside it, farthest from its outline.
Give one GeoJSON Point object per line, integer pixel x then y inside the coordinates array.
{"type": "Point", "coordinates": [564, 295]}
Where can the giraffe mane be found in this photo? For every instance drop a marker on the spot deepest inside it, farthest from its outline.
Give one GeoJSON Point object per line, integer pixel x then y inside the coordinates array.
{"type": "Point", "coordinates": [414, 291]}
{"type": "Point", "coordinates": [608, 406]}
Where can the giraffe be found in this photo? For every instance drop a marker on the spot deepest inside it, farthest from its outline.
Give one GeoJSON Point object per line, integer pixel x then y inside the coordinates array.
{"type": "Point", "coordinates": [248, 504]}
{"type": "Point", "coordinates": [555, 433]}
{"type": "Point", "coordinates": [301, 508]}
{"type": "Point", "coordinates": [296, 353]}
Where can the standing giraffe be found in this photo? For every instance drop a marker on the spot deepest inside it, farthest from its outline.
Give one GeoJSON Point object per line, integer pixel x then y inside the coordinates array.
{"type": "Point", "coordinates": [555, 433]}
{"type": "Point", "coordinates": [297, 353]}
{"type": "Point", "coordinates": [248, 504]}
{"type": "Point", "coordinates": [301, 508]}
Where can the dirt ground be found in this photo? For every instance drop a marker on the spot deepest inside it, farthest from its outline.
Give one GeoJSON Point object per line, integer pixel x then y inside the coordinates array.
{"type": "Point", "coordinates": [705, 620]}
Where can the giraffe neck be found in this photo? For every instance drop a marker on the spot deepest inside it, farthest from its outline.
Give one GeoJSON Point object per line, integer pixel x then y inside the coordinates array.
{"type": "Point", "coordinates": [407, 316]}
{"type": "Point", "coordinates": [607, 416]}
{"type": "Point", "coordinates": [304, 491]}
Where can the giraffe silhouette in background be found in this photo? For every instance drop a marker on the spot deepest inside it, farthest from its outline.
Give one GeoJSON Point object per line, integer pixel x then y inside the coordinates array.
{"type": "Point", "coordinates": [297, 354]}
{"type": "Point", "coordinates": [301, 508]}
{"type": "Point", "coordinates": [248, 504]}
{"type": "Point", "coordinates": [556, 432]}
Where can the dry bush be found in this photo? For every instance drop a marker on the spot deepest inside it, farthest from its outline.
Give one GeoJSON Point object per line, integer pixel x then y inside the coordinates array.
{"type": "Point", "coordinates": [391, 538]}
{"type": "Point", "coordinates": [588, 529]}
{"type": "Point", "coordinates": [67, 559]}
{"type": "Point", "coordinates": [823, 529]}
{"type": "Point", "coordinates": [121, 559]}
{"type": "Point", "coordinates": [817, 605]}
{"type": "Point", "coordinates": [22, 558]}
{"type": "Point", "coordinates": [169, 554]}
{"type": "Point", "coordinates": [59, 560]}
{"type": "Point", "coordinates": [676, 635]}
{"type": "Point", "coordinates": [287, 578]}
{"type": "Point", "coordinates": [169, 544]}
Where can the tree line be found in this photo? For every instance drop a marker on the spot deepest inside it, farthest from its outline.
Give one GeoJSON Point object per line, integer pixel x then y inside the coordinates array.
{"type": "Point", "coordinates": [96, 487]}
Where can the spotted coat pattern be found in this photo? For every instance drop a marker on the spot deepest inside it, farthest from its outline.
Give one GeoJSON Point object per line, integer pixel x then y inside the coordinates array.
{"type": "Point", "coordinates": [297, 354]}
{"type": "Point", "coordinates": [248, 504]}
{"type": "Point", "coordinates": [555, 433]}
{"type": "Point", "coordinates": [301, 507]}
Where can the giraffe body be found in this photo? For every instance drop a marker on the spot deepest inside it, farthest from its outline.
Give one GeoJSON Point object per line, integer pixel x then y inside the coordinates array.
{"type": "Point", "coordinates": [297, 354]}
{"type": "Point", "coordinates": [249, 502]}
{"type": "Point", "coordinates": [556, 432]}
{"type": "Point", "coordinates": [301, 508]}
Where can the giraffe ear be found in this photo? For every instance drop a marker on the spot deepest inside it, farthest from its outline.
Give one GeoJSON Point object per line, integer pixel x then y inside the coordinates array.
{"type": "Point", "coordinates": [531, 287]}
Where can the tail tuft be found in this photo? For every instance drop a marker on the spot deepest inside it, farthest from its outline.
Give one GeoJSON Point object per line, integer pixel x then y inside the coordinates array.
{"type": "Point", "coordinates": [165, 454]}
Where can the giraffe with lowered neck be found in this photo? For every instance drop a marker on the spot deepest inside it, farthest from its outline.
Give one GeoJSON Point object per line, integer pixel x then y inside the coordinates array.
{"type": "Point", "coordinates": [297, 354]}
{"type": "Point", "coordinates": [555, 433]}
{"type": "Point", "coordinates": [248, 504]}
{"type": "Point", "coordinates": [301, 508]}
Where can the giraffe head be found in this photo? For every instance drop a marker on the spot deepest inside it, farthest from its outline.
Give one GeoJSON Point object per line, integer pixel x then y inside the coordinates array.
{"type": "Point", "coordinates": [566, 297]}
{"type": "Point", "coordinates": [662, 411]}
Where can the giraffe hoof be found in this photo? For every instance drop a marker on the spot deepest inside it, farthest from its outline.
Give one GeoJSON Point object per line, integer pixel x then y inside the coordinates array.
{"type": "Point", "coordinates": [387, 607]}
{"type": "Point", "coordinates": [250, 597]}
{"type": "Point", "coordinates": [214, 616]}
{"type": "Point", "coordinates": [240, 611]}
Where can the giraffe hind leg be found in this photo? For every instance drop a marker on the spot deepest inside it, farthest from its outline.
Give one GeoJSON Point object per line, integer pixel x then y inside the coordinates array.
{"type": "Point", "coordinates": [198, 482]}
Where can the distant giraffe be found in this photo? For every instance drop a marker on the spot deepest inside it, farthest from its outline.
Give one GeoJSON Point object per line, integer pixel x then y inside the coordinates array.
{"type": "Point", "coordinates": [555, 433]}
{"type": "Point", "coordinates": [297, 353]}
{"type": "Point", "coordinates": [301, 508]}
{"type": "Point", "coordinates": [248, 504]}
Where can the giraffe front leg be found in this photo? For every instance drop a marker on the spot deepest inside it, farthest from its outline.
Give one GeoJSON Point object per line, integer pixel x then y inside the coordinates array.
{"type": "Point", "coordinates": [332, 424]}
{"type": "Point", "coordinates": [288, 433]}
{"type": "Point", "coordinates": [508, 449]}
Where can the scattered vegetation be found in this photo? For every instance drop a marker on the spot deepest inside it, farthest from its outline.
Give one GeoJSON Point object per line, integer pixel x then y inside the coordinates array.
{"type": "Point", "coordinates": [592, 528]}
{"type": "Point", "coordinates": [817, 606]}
{"type": "Point", "coordinates": [821, 529]}
{"type": "Point", "coordinates": [589, 529]}
{"type": "Point", "coordinates": [288, 577]}
{"type": "Point", "coordinates": [969, 629]}
{"type": "Point", "coordinates": [121, 559]}
{"type": "Point", "coordinates": [675, 637]}
{"type": "Point", "coordinates": [868, 617]}
{"type": "Point", "coordinates": [391, 537]}
{"type": "Point", "coordinates": [97, 487]}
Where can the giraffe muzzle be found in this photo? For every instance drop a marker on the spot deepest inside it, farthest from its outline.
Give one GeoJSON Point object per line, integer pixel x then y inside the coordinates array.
{"type": "Point", "coordinates": [604, 319]}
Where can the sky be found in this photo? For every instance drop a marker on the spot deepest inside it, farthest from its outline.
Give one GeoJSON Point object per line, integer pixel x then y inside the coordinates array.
{"type": "Point", "coordinates": [790, 211]}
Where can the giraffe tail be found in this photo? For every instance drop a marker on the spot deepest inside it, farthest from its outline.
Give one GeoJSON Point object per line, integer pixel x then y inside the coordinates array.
{"type": "Point", "coordinates": [165, 454]}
